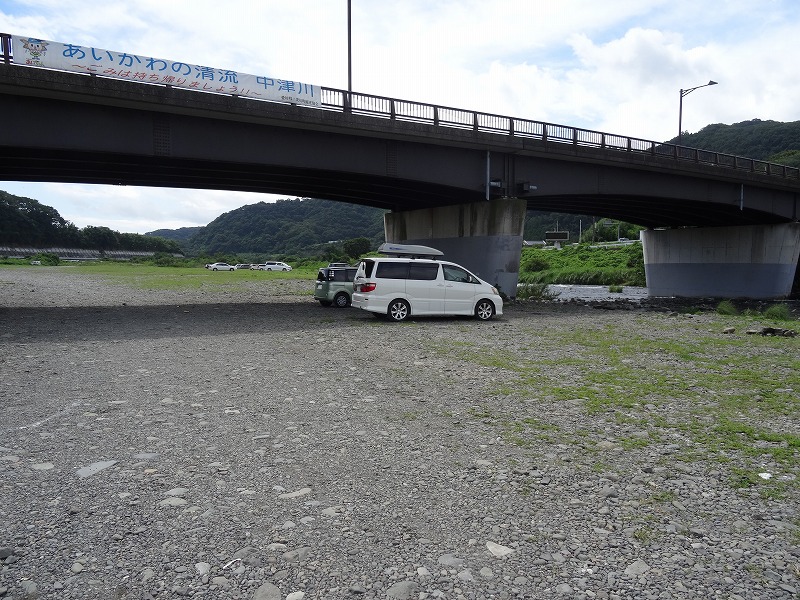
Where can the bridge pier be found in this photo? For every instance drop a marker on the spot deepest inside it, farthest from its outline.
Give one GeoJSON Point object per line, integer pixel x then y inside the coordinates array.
{"type": "Point", "coordinates": [754, 261]}
{"type": "Point", "coordinates": [484, 237]}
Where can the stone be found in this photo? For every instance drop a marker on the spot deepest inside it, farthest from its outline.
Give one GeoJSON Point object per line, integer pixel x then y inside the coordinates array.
{"type": "Point", "coordinates": [95, 468]}
{"type": "Point", "coordinates": [498, 550]}
{"type": "Point", "coordinates": [403, 590]}
{"type": "Point", "coordinates": [638, 567]}
{"type": "Point", "coordinates": [450, 560]}
{"type": "Point", "coordinates": [267, 591]}
{"type": "Point", "coordinates": [296, 494]}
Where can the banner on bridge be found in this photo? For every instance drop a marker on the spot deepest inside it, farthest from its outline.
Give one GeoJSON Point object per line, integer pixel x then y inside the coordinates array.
{"type": "Point", "coordinates": [33, 52]}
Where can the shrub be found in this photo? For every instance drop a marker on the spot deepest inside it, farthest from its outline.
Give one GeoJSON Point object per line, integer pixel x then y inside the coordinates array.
{"type": "Point", "coordinates": [533, 263]}
{"type": "Point", "coordinates": [46, 258]}
{"type": "Point", "coordinates": [536, 292]}
{"type": "Point", "coordinates": [726, 307]}
{"type": "Point", "coordinates": [778, 312]}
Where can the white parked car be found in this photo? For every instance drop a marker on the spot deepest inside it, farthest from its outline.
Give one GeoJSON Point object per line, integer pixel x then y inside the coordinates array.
{"type": "Point", "coordinates": [220, 267]}
{"type": "Point", "coordinates": [399, 288]}
{"type": "Point", "coordinates": [275, 266]}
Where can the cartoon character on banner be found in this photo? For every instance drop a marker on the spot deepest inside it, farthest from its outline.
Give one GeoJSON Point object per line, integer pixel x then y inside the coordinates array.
{"type": "Point", "coordinates": [36, 48]}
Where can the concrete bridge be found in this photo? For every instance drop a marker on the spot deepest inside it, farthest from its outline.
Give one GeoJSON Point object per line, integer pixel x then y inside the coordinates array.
{"type": "Point", "coordinates": [718, 225]}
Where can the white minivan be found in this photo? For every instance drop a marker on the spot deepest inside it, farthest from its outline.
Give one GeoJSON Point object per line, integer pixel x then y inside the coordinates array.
{"type": "Point", "coordinates": [402, 287]}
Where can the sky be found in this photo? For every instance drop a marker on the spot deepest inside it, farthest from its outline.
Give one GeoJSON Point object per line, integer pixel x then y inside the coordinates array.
{"type": "Point", "coordinates": [613, 65]}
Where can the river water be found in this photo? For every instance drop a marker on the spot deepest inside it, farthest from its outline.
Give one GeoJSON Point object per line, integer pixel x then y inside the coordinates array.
{"type": "Point", "coordinates": [567, 292]}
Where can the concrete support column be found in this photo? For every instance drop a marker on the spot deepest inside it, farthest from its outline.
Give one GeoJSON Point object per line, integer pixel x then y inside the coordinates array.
{"type": "Point", "coordinates": [484, 237]}
{"type": "Point", "coordinates": [754, 261]}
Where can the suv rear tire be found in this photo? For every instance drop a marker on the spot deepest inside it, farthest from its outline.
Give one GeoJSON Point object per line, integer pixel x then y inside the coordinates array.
{"type": "Point", "coordinates": [341, 300]}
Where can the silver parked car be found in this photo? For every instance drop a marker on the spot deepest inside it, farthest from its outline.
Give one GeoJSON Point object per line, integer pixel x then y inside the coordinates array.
{"type": "Point", "coordinates": [221, 267]}
{"type": "Point", "coordinates": [275, 266]}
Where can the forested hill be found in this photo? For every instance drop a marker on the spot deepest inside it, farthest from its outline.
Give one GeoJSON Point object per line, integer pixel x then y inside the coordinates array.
{"type": "Point", "coordinates": [286, 227]}
{"type": "Point", "coordinates": [179, 235]}
{"type": "Point", "coordinates": [27, 222]}
{"type": "Point", "coordinates": [773, 141]}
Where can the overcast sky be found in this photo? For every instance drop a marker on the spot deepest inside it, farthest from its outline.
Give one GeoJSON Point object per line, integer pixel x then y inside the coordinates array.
{"type": "Point", "coordinates": [610, 65]}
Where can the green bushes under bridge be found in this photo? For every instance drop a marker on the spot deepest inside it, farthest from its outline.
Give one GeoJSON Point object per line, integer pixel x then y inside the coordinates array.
{"type": "Point", "coordinates": [584, 265]}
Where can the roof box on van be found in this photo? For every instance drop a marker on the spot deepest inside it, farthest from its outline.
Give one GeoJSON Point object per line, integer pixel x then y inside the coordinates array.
{"type": "Point", "coordinates": [409, 251]}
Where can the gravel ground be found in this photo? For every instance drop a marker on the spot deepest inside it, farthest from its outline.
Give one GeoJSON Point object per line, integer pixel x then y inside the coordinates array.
{"type": "Point", "coordinates": [258, 446]}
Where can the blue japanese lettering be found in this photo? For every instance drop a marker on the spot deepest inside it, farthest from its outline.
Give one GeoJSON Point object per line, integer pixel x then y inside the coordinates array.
{"type": "Point", "coordinates": [204, 73]}
{"type": "Point", "coordinates": [98, 54]}
{"type": "Point", "coordinates": [177, 67]}
{"type": "Point", "coordinates": [71, 51]}
{"type": "Point", "coordinates": [151, 64]}
{"type": "Point", "coordinates": [231, 76]}
{"type": "Point", "coordinates": [265, 81]}
{"type": "Point", "coordinates": [126, 60]}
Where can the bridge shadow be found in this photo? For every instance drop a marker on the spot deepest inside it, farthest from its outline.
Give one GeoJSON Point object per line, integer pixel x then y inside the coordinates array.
{"type": "Point", "coordinates": [112, 323]}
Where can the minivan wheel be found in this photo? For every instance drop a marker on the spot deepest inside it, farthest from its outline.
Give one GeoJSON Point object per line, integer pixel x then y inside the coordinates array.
{"type": "Point", "coordinates": [341, 300]}
{"type": "Point", "coordinates": [484, 310]}
{"type": "Point", "coordinates": [398, 310]}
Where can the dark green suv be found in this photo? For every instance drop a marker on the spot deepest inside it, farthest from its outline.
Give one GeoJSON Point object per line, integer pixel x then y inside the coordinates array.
{"type": "Point", "coordinates": [335, 286]}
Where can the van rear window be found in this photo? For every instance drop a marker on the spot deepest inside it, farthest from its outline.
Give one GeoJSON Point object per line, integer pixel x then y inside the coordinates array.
{"type": "Point", "coordinates": [343, 274]}
{"type": "Point", "coordinates": [392, 270]}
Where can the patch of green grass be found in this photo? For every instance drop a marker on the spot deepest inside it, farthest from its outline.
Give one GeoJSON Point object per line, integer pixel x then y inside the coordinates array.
{"type": "Point", "coordinates": [664, 497]}
{"type": "Point", "coordinates": [743, 478]}
{"type": "Point", "coordinates": [151, 277]}
{"type": "Point", "coordinates": [631, 443]}
{"type": "Point", "coordinates": [645, 535]}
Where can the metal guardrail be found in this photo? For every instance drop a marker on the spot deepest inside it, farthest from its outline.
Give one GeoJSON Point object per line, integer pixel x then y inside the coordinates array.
{"type": "Point", "coordinates": [457, 118]}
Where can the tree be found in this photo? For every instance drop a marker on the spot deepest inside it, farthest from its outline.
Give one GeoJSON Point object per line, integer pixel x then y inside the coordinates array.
{"type": "Point", "coordinates": [356, 247]}
{"type": "Point", "coordinates": [101, 238]}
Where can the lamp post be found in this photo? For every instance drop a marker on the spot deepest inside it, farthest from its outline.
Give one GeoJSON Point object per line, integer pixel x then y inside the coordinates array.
{"type": "Point", "coordinates": [349, 50]}
{"type": "Point", "coordinates": [349, 96]}
{"type": "Point", "coordinates": [680, 110]}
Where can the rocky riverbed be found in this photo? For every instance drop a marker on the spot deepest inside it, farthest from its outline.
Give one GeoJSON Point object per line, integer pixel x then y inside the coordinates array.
{"type": "Point", "coordinates": [203, 444]}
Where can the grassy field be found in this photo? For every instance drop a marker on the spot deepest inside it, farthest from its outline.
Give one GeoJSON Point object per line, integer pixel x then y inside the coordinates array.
{"type": "Point", "coordinates": [151, 277]}
{"type": "Point", "coordinates": [735, 398]}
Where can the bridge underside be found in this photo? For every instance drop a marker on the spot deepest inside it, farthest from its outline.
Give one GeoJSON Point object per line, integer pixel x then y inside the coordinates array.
{"type": "Point", "coordinates": [660, 211]}
{"type": "Point", "coordinates": [150, 171]}
{"type": "Point", "coordinates": [72, 166]}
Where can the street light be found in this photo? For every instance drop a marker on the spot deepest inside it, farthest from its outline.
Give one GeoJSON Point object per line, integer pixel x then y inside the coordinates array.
{"type": "Point", "coordinates": [680, 110]}
{"type": "Point", "coordinates": [349, 52]}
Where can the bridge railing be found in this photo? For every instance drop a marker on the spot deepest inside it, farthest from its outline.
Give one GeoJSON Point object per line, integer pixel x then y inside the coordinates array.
{"type": "Point", "coordinates": [383, 107]}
